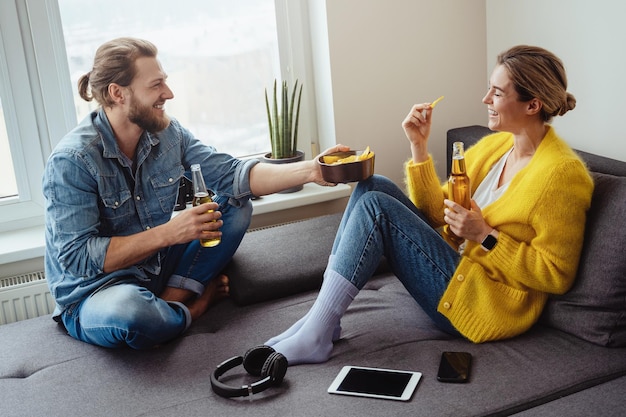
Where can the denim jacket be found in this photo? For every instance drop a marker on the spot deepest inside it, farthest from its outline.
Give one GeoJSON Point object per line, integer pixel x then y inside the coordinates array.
{"type": "Point", "coordinates": [91, 194]}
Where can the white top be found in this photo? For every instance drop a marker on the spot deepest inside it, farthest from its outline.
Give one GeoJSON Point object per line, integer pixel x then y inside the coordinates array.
{"type": "Point", "coordinates": [488, 190]}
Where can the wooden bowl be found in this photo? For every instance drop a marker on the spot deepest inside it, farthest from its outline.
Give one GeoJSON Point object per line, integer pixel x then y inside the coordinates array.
{"type": "Point", "coordinates": [348, 171]}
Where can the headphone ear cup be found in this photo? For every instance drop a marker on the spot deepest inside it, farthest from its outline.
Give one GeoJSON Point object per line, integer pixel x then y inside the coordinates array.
{"type": "Point", "coordinates": [254, 359]}
{"type": "Point", "coordinates": [275, 367]}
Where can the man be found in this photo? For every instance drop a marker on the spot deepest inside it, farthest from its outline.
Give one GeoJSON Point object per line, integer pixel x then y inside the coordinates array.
{"type": "Point", "coordinates": [122, 270]}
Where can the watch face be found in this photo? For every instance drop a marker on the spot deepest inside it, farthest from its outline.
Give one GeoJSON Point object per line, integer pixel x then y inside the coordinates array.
{"type": "Point", "coordinates": [489, 242]}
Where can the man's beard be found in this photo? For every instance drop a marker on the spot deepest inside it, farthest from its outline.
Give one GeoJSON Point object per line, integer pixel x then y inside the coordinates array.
{"type": "Point", "coordinates": [143, 117]}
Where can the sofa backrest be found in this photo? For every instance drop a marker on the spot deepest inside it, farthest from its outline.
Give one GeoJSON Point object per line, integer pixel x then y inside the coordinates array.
{"type": "Point", "coordinates": [595, 307]}
{"type": "Point", "coordinates": [469, 135]}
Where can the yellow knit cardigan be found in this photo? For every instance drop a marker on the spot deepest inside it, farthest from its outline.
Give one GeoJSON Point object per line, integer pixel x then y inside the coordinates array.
{"type": "Point", "coordinates": [541, 218]}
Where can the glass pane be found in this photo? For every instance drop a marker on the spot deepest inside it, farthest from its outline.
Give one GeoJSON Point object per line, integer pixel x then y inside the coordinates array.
{"type": "Point", "coordinates": [219, 56]}
{"type": "Point", "coordinates": [8, 185]}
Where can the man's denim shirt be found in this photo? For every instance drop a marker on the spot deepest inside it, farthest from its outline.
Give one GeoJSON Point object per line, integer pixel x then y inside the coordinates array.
{"type": "Point", "coordinates": [92, 194]}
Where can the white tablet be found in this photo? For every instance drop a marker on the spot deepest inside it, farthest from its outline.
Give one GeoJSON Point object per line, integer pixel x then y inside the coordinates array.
{"type": "Point", "coordinates": [388, 384]}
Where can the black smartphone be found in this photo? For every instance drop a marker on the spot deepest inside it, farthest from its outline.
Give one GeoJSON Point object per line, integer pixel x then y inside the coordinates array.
{"type": "Point", "coordinates": [454, 367]}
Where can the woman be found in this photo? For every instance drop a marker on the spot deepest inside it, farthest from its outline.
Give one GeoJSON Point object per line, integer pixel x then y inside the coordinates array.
{"type": "Point", "coordinates": [523, 234]}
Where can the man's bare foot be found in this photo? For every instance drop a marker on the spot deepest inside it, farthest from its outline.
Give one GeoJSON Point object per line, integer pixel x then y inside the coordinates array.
{"type": "Point", "coordinates": [216, 290]}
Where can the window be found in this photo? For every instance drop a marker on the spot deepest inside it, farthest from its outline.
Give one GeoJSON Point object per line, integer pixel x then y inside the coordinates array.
{"type": "Point", "coordinates": [8, 186]}
{"type": "Point", "coordinates": [219, 56]}
{"type": "Point", "coordinates": [21, 203]}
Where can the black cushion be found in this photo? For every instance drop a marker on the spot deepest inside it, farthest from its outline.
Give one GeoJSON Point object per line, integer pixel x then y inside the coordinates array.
{"type": "Point", "coordinates": [595, 308]}
{"type": "Point", "coordinates": [282, 260]}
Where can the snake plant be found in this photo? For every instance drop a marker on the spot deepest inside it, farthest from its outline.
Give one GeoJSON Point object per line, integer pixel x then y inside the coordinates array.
{"type": "Point", "coordinates": [282, 123]}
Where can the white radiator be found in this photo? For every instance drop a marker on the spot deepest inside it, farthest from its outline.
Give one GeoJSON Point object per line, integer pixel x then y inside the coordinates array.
{"type": "Point", "coordinates": [24, 297]}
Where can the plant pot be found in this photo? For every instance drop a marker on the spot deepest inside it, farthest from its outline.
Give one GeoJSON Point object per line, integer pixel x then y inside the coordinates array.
{"type": "Point", "coordinates": [269, 160]}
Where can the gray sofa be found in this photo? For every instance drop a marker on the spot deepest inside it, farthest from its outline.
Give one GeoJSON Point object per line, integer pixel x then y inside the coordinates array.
{"type": "Point", "coordinates": [573, 362]}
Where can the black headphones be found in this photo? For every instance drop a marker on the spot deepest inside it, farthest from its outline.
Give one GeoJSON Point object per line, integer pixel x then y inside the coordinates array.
{"type": "Point", "coordinates": [261, 361]}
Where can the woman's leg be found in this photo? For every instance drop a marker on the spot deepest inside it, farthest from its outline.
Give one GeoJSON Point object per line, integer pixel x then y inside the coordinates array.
{"type": "Point", "coordinates": [379, 219]}
{"type": "Point", "coordinates": [416, 253]}
{"type": "Point", "coordinates": [374, 183]}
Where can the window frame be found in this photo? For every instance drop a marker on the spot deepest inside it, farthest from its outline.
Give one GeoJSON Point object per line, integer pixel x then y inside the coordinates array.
{"type": "Point", "coordinates": [37, 93]}
{"type": "Point", "coordinates": [21, 123]}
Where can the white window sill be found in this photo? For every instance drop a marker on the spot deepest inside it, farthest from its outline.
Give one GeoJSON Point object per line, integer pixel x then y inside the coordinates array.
{"type": "Point", "coordinates": [22, 244]}
{"type": "Point", "coordinates": [29, 243]}
{"type": "Point", "coordinates": [310, 194]}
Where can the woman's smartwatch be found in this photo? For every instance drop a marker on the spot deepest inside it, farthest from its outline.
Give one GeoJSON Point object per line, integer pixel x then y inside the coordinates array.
{"type": "Point", "coordinates": [489, 242]}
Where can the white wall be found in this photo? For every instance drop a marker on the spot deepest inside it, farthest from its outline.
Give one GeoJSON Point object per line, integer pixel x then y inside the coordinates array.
{"type": "Point", "coordinates": [386, 56]}
{"type": "Point", "coordinates": [590, 38]}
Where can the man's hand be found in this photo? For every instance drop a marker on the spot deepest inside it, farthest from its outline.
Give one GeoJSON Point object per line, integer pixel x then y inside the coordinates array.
{"type": "Point", "coordinates": [193, 223]}
{"type": "Point", "coordinates": [272, 178]}
{"type": "Point", "coordinates": [199, 222]}
{"type": "Point", "coordinates": [317, 175]}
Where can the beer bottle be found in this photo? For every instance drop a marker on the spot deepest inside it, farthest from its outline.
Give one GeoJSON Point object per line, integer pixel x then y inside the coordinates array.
{"type": "Point", "coordinates": [458, 184]}
{"type": "Point", "coordinates": [200, 196]}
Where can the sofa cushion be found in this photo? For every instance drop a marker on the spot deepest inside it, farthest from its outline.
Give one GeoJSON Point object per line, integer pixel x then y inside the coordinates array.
{"type": "Point", "coordinates": [45, 372]}
{"type": "Point", "coordinates": [281, 260]}
{"type": "Point", "coordinates": [595, 308]}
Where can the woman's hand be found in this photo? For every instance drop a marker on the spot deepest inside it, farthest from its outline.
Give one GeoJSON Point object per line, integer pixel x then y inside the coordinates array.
{"type": "Point", "coordinates": [468, 224]}
{"type": "Point", "coordinates": [416, 127]}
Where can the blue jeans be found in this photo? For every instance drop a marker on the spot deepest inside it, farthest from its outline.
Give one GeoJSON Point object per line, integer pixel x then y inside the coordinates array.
{"type": "Point", "coordinates": [381, 220]}
{"type": "Point", "coordinates": [128, 311]}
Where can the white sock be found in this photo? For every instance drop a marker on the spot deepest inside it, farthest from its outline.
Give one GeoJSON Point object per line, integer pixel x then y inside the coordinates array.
{"type": "Point", "coordinates": [296, 326]}
{"type": "Point", "coordinates": [312, 340]}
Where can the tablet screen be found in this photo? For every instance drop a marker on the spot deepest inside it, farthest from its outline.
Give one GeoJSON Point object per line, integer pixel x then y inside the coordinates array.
{"type": "Point", "coordinates": [375, 382]}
